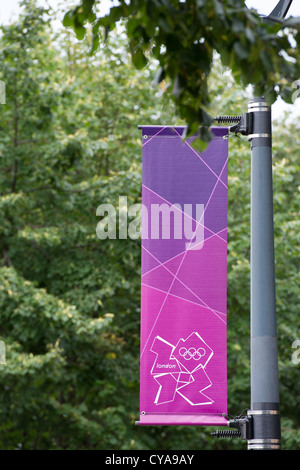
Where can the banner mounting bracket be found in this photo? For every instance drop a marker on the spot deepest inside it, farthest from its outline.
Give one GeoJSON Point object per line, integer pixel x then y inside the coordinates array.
{"type": "Point", "coordinates": [243, 123]}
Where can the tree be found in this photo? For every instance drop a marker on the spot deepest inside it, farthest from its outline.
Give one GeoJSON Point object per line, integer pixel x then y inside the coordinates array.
{"type": "Point", "coordinates": [65, 149]}
{"type": "Point", "coordinates": [183, 35]}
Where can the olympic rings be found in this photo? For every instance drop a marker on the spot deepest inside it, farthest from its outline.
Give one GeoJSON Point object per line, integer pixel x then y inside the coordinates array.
{"type": "Point", "coordinates": [190, 353]}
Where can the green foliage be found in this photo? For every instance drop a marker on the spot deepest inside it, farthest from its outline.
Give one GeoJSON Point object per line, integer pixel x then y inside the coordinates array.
{"type": "Point", "coordinates": [70, 303]}
{"type": "Point", "coordinates": [183, 36]}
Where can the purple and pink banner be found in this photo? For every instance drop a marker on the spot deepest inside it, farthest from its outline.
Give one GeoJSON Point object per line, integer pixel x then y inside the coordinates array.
{"type": "Point", "coordinates": [183, 364]}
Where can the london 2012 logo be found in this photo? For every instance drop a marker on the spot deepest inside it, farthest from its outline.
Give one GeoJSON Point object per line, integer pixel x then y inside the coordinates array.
{"type": "Point", "coordinates": [192, 353]}
{"type": "Point", "coordinates": [179, 369]}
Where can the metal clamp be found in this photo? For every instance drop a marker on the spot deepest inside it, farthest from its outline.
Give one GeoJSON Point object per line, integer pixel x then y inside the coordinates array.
{"type": "Point", "coordinates": [258, 106]}
{"type": "Point", "coordinates": [262, 412]}
{"type": "Point", "coordinates": [267, 444]}
{"type": "Point", "coordinates": [264, 136]}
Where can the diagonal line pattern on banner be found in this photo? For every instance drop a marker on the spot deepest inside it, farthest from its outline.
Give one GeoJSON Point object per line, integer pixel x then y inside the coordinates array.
{"type": "Point", "coordinates": [192, 292]}
{"type": "Point", "coordinates": [162, 306]}
{"type": "Point", "coordinates": [196, 153]}
{"type": "Point", "coordinates": [147, 142]}
{"type": "Point", "coordinates": [179, 254]}
{"type": "Point", "coordinates": [168, 202]}
{"type": "Point", "coordinates": [174, 295]}
{"type": "Point", "coordinates": [184, 213]}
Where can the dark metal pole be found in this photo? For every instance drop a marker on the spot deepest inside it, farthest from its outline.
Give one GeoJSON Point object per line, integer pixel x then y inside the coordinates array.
{"type": "Point", "coordinates": [280, 11]}
{"type": "Point", "coordinates": [264, 358]}
{"type": "Point", "coordinates": [261, 428]}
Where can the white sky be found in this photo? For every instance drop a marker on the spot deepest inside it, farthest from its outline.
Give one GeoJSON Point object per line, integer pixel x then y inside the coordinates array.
{"type": "Point", "coordinates": [9, 10]}
{"type": "Point", "coordinates": [265, 7]}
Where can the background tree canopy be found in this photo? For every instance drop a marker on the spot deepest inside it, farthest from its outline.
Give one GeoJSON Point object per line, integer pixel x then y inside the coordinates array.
{"type": "Point", "coordinates": [70, 303]}
{"type": "Point", "coordinates": [183, 35]}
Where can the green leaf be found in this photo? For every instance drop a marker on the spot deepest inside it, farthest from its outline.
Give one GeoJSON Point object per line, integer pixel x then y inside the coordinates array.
{"type": "Point", "coordinates": [68, 19]}
{"type": "Point", "coordinates": [139, 60]}
{"type": "Point", "coordinates": [80, 32]}
{"type": "Point", "coordinates": [241, 50]}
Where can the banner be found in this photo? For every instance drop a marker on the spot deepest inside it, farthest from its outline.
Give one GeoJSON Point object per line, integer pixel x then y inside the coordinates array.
{"type": "Point", "coordinates": [183, 363]}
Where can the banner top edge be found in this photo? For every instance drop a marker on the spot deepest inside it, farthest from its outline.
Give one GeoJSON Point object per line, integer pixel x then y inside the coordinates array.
{"type": "Point", "coordinates": [161, 130]}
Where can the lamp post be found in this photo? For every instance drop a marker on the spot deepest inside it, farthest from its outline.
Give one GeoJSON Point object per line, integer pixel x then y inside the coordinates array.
{"type": "Point", "coordinates": [264, 363]}
{"type": "Point", "coordinates": [264, 412]}
{"type": "Point", "coordinates": [261, 427]}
